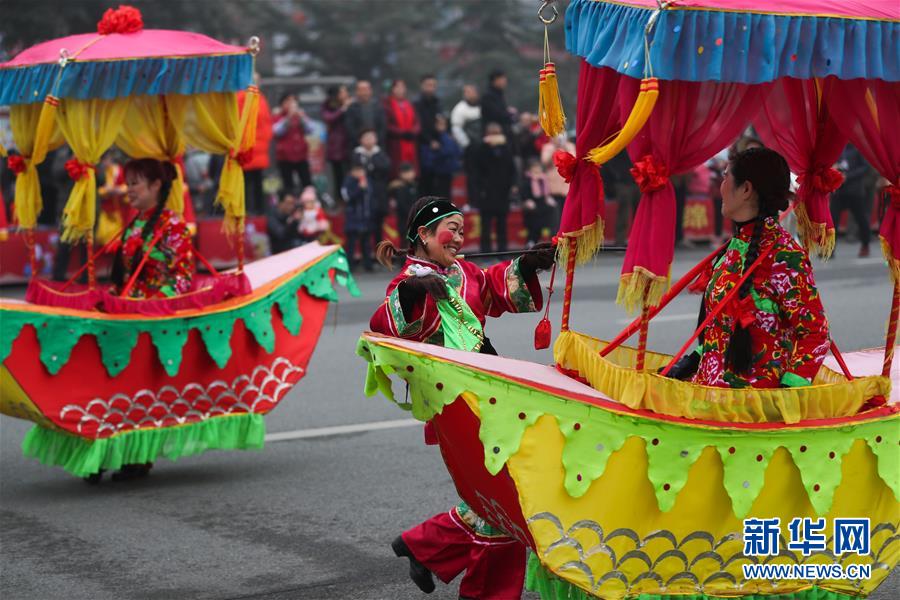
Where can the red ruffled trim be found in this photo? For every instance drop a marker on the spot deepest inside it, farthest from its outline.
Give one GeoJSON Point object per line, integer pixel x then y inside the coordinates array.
{"type": "Point", "coordinates": [125, 19]}
{"type": "Point", "coordinates": [208, 291]}
{"type": "Point", "coordinates": [650, 174]}
{"type": "Point", "coordinates": [47, 293]}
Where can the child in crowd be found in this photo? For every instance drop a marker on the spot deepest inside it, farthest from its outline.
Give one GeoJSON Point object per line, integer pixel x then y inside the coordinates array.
{"type": "Point", "coordinates": [281, 224]}
{"type": "Point", "coordinates": [313, 221]}
{"type": "Point", "coordinates": [357, 193]}
{"type": "Point", "coordinates": [441, 157]}
{"type": "Point", "coordinates": [538, 206]}
{"type": "Point", "coordinates": [404, 191]}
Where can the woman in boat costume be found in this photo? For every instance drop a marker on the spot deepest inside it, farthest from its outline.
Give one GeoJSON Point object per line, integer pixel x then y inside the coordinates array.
{"type": "Point", "coordinates": [774, 332]}
{"type": "Point", "coordinates": [162, 236]}
{"type": "Point", "coordinates": [440, 299]}
{"type": "Point", "coordinates": [157, 231]}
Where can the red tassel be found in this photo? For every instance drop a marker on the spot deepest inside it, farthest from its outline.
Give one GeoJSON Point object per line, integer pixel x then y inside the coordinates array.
{"type": "Point", "coordinates": [542, 334]}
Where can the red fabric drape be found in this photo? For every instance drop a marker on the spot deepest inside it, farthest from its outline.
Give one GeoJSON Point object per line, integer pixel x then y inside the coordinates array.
{"type": "Point", "coordinates": [690, 123]}
{"type": "Point", "coordinates": [794, 121]}
{"type": "Point", "coordinates": [868, 113]}
{"type": "Point", "coordinates": [597, 119]}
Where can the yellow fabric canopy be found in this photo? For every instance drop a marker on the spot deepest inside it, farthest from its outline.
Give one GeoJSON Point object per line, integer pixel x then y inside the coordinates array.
{"type": "Point", "coordinates": [35, 133]}
{"type": "Point", "coordinates": [150, 133]}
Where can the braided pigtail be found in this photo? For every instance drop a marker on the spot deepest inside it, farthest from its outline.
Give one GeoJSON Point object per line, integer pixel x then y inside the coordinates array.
{"type": "Point", "coordinates": [739, 355]}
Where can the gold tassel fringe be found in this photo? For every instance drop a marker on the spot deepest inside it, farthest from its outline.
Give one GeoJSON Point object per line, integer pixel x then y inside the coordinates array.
{"type": "Point", "coordinates": [814, 237]}
{"type": "Point", "coordinates": [632, 287]}
{"type": "Point", "coordinates": [892, 263]}
{"type": "Point", "coordinates": [588, 241]}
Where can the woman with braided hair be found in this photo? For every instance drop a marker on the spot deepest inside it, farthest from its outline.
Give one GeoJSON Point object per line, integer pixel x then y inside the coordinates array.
{"type": "Point", "coordinates": [168, 270]}
{"type": "Point", "coordinates": [440, 299]}
{"type": "Point", "coordinates": [774, 332]}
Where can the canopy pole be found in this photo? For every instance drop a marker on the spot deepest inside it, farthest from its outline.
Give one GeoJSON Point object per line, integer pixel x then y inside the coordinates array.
{"type": "Point", "coordinates": [32, 259]}
{"type": "Point", "coordinates": [642, 338]}
{"type": "Point", "coordinates": [570, 277]}
{"type": "Point", "coordinates": [92, 271]}
{"type": "Point", "coordinates": [240, 248]}
{"type": "Point", "coordinates": [891, 338]}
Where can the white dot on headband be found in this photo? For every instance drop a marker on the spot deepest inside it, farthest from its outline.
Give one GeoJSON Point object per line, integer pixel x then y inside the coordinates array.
{"type": "Point", "coordinates": [435, 209]}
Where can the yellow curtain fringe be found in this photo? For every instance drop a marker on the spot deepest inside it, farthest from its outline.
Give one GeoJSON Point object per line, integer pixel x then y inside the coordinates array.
{"type": "Point", "coordinates": [249, 118]}
{"type": "Point", "coordinates": [830, 396]}
{"type": "Point", "coordinates": [632, 288]}
{"type": "Point", "coordinates": [892, 263]}
{"type": "Point", "coordinates": [814, 237]}
{"type": "Point", "coordinates": [588, 241]}
{"type": "Point", "coordinates": [640, 112]}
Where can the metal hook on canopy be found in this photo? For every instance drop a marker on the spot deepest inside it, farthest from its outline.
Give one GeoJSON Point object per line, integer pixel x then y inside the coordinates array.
{"type": "Point", "coordinates": [253, 45]}
{"type": "Point", "coordinates": [64, 57]}
{"type": "Point", "coordinates": [544, 5]}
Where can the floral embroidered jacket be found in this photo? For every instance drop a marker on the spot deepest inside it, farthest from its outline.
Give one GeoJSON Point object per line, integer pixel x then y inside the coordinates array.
{"type": "Point", "coordinates": [488, 292]}
{"type": "Point", "coordinates": [789, 330]}
{"type": "Point", "coordinates": [168, 270]}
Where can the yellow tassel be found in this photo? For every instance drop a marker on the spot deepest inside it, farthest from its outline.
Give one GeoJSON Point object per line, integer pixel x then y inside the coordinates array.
{"type": "Point", "coordinates": [814, 237]}
{"type": "Point", "coordinates": [892, 263]}
{"type": "Point", "coordinates": [640, 112]}
{"type": "Point", "coordinates": [175, 201]}
{"type": "Point", "coordinates": [550, 109]}
{"type": "Point", "coordinates": [588, 240]}
{"type": "Point", "coordinates": [632, 288]}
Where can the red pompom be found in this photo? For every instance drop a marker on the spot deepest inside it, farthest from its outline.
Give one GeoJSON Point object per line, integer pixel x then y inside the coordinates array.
{"type": "Point", "coordinates": [125, 19]}
{"type": "Point", "coordinates": [244, 158]}
{"type": "Point", "coordinates": [825, 180]}
{"type": "Point", "coordinates": [16, 164]}
{"type": "Point", "coordinates": [565, 164]}
{"type": "Point", "coordinates": [650, 174]}
{"type": "Point", "coordinates": [77, 169]}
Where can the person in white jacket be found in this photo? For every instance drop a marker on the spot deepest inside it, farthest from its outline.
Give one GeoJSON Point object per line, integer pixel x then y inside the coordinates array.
{"type": "Point", "coordinates": [465, 122]}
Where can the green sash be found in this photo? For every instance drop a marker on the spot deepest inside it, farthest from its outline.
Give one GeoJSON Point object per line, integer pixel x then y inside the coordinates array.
{"type": "Point", "coordinates": [462, 329]}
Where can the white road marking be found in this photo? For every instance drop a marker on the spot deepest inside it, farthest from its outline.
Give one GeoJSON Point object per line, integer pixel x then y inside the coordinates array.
{"type": "Point", "coordinates": [663, 319]}
{"type": "Point", "coordinates": [300, 434]}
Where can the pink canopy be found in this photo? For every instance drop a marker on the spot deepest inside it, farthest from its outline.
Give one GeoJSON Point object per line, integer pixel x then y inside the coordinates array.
{"type": "Point", "coordinates": [147, 43]}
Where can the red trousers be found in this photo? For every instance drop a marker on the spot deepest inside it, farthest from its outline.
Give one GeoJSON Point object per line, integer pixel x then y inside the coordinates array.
{"type": "Point", "coordinates": [494, 566]}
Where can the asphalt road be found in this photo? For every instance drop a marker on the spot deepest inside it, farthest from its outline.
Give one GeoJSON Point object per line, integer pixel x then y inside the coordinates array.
{"type": "Point", "coordinates": [311, 518]}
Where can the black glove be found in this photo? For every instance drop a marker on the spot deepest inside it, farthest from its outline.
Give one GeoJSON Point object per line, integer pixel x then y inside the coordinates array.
{"type": "Point", "coordinates": [413, 289]}
{"type": "Point", "coordinates": [542, 256]}
{"type": "Point", "coordinates": [685, 368]}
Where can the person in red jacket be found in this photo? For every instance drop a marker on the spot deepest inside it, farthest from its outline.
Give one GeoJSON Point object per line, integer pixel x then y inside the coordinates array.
{"type": "Point", "coordinates": [291, 147]}
{"type": "Point", "coordinates": [402, 128]}
{"type": "Point", "coordinates": [440, 299]}
{"type": "Point", "coordinates": [258, 161]}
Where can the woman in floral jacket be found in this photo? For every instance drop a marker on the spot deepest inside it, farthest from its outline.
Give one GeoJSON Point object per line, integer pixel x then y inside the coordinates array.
{"type": "Point", "coordinates": [440, 299]}
{"type": "Point", "coordinates": [774, 332]}
{"type": "Point", "coordinates": [168, 270]}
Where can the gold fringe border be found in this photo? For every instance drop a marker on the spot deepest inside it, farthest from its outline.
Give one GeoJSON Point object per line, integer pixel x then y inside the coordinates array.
{"type": "Point", "coordinates": [632, 288]}
{"type": "Point", "coordinates": [814, 236]}
{"type": "Point", "coordinates": [893, 264]}
{"type": "Point", "coordinates": [588, 240]}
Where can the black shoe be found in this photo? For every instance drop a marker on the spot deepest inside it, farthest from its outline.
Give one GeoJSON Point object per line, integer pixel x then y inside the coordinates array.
{"type": "Point", "coordinates": [420, 575]}
{"type": "Point", "coordinates": [94, 478]}
{"type": "Point", "coordinates": [132, 472]}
